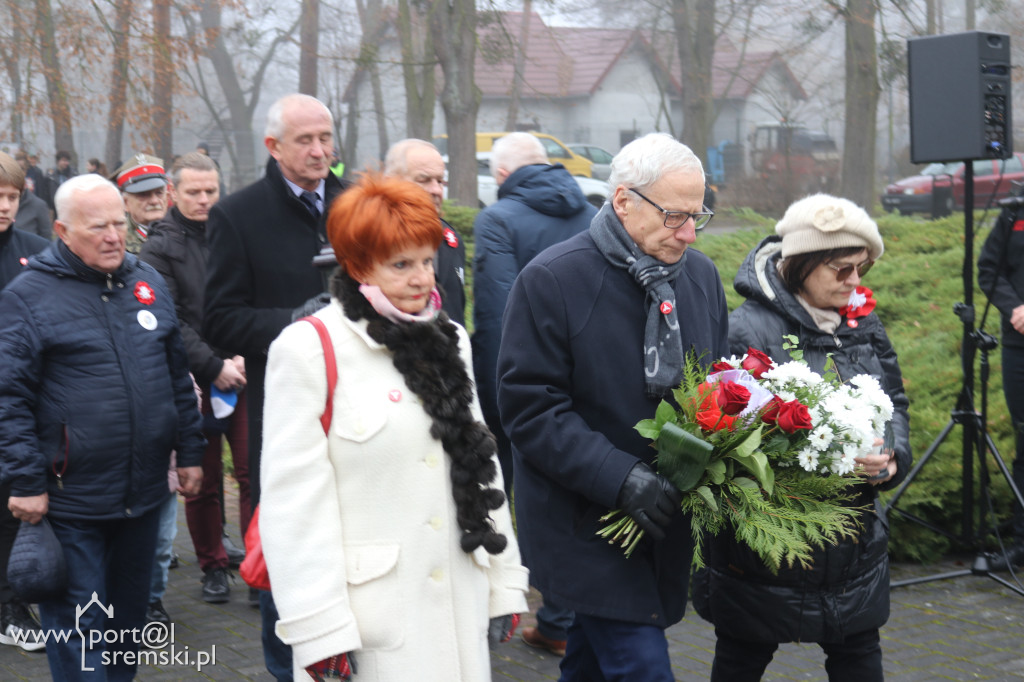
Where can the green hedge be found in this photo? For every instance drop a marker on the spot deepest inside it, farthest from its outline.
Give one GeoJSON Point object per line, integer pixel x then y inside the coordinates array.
{"type": "Point", "coordinates": [916, 283]}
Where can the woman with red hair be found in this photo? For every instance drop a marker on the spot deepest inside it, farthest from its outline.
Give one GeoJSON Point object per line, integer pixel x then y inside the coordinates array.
{"type": "Point", "coordinates": [389, 536]}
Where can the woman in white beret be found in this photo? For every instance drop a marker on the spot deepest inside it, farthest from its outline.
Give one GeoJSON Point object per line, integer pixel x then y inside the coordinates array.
{"type": "Point", "coordinates": [807, 281]}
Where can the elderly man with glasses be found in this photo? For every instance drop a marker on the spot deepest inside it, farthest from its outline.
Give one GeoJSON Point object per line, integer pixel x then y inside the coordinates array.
{"type": "Point", "coordinates": [593, 338]}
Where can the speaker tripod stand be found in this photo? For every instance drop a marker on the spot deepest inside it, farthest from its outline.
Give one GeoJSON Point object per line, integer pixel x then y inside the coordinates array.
{"type": "Point", "coordinates": [976, 442]}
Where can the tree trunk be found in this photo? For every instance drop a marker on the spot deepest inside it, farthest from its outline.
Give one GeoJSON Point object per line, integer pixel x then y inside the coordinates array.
{"type": "Point", "coordinates": [240, 113]}
{"type": "Point", "coordinates": [369, 62]}
{"type": "Point", "coordinates": [118, 84]}
{"type": "Point", "coordinates": [309, 46]}
{"type": "Point", "coordinates": [695, 37]}
{"type": "Point", "coordinates": [56, 91]}
{"type": "Point", "coordinates": [862, 91]}
{"type": "Point", "coordinates": [454, 26]}
{"type": "Point", "coordinates": [519, 67]}
{"type": "Point", "coordinates": [418, 63]}
{"type": "Point", "coordinates": [163, 82]}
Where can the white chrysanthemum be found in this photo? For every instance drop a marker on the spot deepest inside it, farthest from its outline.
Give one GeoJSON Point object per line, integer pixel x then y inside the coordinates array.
{"type": "Point", "coordinates": [808, 459]}
{"type": "Point", "coordinates": [843, 463]}
{"type": "Point", "coordinates": [792, 374]}
{"type": "Point", "coordinates": [820, 438]}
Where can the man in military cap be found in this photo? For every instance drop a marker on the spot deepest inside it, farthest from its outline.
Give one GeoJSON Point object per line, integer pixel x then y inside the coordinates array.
{"type": "Point", "coordinates": [143, 185]}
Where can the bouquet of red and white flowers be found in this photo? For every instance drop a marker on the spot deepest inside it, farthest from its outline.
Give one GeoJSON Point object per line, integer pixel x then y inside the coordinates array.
{"type": "Point", "coordinates": [767, 450]}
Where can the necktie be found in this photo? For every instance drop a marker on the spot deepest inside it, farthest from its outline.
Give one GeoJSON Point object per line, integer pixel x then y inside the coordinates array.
{"type": "Point", "coordinates": [310, 199]}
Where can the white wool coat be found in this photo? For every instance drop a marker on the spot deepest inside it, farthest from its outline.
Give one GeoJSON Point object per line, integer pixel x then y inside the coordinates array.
{"type": "Point", "coordinates": [359, 528]}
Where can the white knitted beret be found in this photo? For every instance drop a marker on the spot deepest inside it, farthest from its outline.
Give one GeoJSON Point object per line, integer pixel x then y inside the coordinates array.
{"type": "Point", "coordinates": [822, 222]}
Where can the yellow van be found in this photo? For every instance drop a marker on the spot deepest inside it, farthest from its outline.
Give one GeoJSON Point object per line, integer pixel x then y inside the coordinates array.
{"type": "Point", "coordinates": [557, 152]}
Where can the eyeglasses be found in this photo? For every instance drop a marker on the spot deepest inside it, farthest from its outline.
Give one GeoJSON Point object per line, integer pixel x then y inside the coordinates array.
{"type": "Point", "coordinates": [676, 219]}
{"type": "Point", "coordinates": [843, 272]}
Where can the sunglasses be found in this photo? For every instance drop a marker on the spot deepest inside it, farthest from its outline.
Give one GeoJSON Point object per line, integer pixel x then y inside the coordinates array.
{"type": "Point", "coordinates": [676, 219]}
{"type": "Point", "coordinates": [843, 272]}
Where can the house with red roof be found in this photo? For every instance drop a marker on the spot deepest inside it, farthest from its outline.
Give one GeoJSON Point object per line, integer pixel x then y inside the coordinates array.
{"type": "Point", "coordinates": [600, 86]}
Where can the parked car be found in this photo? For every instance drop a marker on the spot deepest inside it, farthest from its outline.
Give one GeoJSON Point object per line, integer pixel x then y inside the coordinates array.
{"type": "Point", "coordinates": [600, 158]}
{"type": "Point", "coordinates": [596, 191]}
{"type": "Point", "coordinates": [557, 151]}
{"type": "Point", "coordinates": [939, 189]}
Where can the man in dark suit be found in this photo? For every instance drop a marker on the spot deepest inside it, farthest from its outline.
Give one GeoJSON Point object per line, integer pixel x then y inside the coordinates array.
{"type": "Point", "coordinates": [262, 242]}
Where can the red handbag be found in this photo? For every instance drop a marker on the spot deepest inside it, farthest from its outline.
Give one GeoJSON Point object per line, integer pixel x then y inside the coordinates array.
{"type": "Point", "coordinates": [254, 567]}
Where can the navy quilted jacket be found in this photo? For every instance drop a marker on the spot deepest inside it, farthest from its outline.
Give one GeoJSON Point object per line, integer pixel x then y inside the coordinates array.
{"type": "Point", "coordinates": [94, 387]}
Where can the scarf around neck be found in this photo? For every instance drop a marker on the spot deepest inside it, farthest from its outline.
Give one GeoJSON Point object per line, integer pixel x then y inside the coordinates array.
{"type": "Point", "coordinates": [426, 354]}
{"type": "Point", "coordinates": [663, 343]}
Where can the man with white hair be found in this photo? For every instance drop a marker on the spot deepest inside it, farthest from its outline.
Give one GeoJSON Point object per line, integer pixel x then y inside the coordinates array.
{"type": "Point", "coordinates": [538, 205]}
{"type": "Point", "coordinates": [593, 339]}
{"type": "Point", "coordinates": [94, 395]}
{"type": "Point", "coordinates": [419, 161]}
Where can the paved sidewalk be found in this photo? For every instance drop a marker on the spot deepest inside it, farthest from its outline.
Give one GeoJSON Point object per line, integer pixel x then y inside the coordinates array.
{"type": "Point", "coordinates": [968, 628]}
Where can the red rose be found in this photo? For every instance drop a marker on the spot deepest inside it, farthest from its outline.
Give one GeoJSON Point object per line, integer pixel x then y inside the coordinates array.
{"type": "Point", "coordinates": [756, 362]}
{"type": "Point", "coordinates": [771, 410]}
{"type": "Point", "coordinates": [721, 366]}
{"type": "Point", "coordinates": [714, 420]}
{"type": "Point", "coordinates": [732, 397]}
{"type": "Point", "coordinates": [794, 415]}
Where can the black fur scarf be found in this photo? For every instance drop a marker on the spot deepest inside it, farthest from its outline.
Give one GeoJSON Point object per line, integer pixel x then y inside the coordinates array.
{"type": "Point", "coordinates": [427, 355]}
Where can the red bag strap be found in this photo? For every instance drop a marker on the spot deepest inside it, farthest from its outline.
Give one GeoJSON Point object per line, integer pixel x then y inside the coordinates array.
{"type": "Point", "coordinates": [332, 369]}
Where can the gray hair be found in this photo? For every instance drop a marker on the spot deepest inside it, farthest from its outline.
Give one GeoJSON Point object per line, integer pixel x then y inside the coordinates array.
{"type": "Point", "coordinates": [515, 150]}
{"type": "Point", "coordinates": [645, 160]}
{"type": "Point", "coordinates": [395, 161]}
{"type": "Point", "coordinates": [86, 182]}
{"type": "Point", "coordinates": [275, 115]}
{"type": "Point", "coordinates": [196, 161]}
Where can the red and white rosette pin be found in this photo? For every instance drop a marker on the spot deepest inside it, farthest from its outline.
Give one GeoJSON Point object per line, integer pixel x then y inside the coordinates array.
{"type": "Point", "coordinates": [666, 307]}
{"type": "Point", "coordinates": [451, 237]}
{"type": "Point", "coordinates": [144, 293]}
{"type": "Point", "coordinates": [394, 395]}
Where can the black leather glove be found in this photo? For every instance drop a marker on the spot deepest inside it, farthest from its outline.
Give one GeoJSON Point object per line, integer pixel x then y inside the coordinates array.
{"type": "Point", "coordinates": [311, 306]}
{"type": "Point", "coordinates": [649, 499]}
{"type": "Point", "coordinates": [502, 628]}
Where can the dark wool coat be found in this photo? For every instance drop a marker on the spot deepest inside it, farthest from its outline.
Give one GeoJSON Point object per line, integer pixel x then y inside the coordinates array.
{"type": "Point", "coordinates": [15, 248]}
{"type": "Point", "coordinates": [94, 387]}
{"type": "Point", "coordinates": [538, 206]}
{"type": "Point", "coordinates": [262, 241]}
{"type": "Point", "coordinates": [450, 274]}
{"type": "Point", "coordinates": [847, 589]}
{"type": "Point", "coordinates": [1001, 271]}
{"type": "Point", "coordinates": [176, 247]}
{"type": "Point", "coordinates": [571, 388]}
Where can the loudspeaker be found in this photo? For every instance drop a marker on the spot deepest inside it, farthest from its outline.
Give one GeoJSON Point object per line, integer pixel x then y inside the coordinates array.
{"type": "Point", "coordinates": [960, 97]}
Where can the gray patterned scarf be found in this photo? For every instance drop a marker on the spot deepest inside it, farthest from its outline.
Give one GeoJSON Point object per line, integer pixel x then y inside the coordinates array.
{"type": "Point", "coordinates": [663, 345]}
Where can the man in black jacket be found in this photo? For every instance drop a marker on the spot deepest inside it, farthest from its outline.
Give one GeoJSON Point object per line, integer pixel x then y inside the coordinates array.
{"type": "Point", "coordinates": [17, 624]}
{"type": "Point", "coordinates": [262, 242]}
{"type": "Point", "coordinates": [419, 161]}
{"type": "Point", "coordinates": [177, 248]}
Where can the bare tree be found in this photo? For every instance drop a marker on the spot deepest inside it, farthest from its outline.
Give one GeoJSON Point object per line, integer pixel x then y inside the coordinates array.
{"type": "Point", "coordinates": [372, 20]}
{"type": "Point", "coordinates": [206, 32]}
{"type": "Point", "coordinates": [309, 46]}
{"type": "Point", "coordinates": [163, 81]}
{"type": "Point", "coordinates": [453, 23]}
{"type": "Point", "coordinates": [418, 65]}
{"type": "Point", "coordinates": [862, 92]}
{"type": "Point", "coordinates": [519, 66]}
{"type": "Point", "coordinates": [56, 88]}
{"type": "Point", "coordinates": [695, 40]}
{"type": "Point", "coordinates": [118, 92]}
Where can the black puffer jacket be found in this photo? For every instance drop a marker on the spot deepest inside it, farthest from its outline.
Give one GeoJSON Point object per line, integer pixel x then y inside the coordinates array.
{"type": "Point", "coordinates": [94, 387]}
{"type": "Point", "coordinates": [847, 589]}
{"type": "Point", "coordinates": [176, 247]}
{"type": "Point", "coordinates": [1001, 270]}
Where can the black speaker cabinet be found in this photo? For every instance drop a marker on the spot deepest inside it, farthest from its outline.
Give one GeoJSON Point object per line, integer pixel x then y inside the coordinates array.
{"type": "Point", "coordinates": [960, 97]}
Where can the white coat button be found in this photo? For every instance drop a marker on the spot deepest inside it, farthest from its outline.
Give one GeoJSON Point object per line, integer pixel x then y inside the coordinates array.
{"type": "Point", "coordinates": [435, 523]}
{"type": "Point", "coordinates": [431, 461]}
{"type": "Point", "coordinates": [436, 575]}
{"type": "Point", "coordinates": [359, 428]}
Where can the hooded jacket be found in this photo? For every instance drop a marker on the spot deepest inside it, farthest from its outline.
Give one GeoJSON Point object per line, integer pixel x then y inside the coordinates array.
{"type": "Point", "coordinates": [538, 206]}
{"type": "Point", "coordinates": [846, 591]}
{"type": "Point", "coordinates": [94, 387]}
